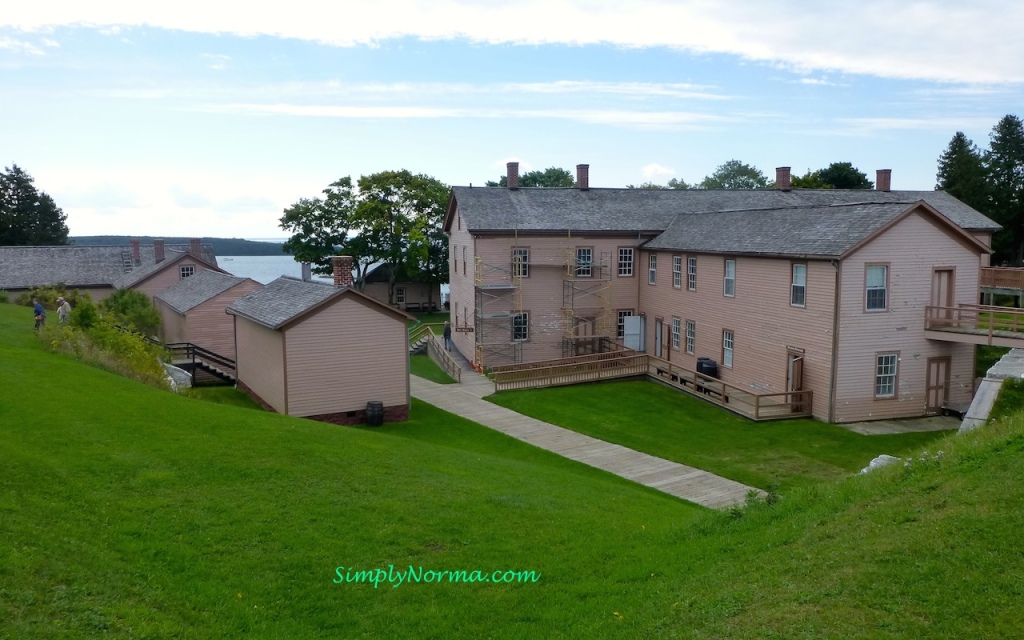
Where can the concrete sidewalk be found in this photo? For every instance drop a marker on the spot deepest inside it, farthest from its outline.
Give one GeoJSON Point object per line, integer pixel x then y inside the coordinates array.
{"type": "Point", "coordinates": [679, 480]}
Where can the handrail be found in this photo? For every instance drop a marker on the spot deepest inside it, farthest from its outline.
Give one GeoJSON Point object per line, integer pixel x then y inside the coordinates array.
{"type": "Point", "coordinates": [540, 364]}
{"type": "Point", "coordinates": [197, 353]}
{"type": "Point", "coordinates": [975, 319]}
{"type": "Point", "coordinates": [437, 353]}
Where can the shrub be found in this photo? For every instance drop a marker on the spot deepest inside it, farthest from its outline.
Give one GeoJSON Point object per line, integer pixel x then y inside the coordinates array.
{"type": "Point", "coordinates": [106, 346]}
{"type": "Point", "coordinates": [48, 296]}
{"type": "Point", "coordinates": [3, 296]}
{"type": "Point", "coordinates": [133, 309]}
{"type": "Point", "coordinates": [86, 314]}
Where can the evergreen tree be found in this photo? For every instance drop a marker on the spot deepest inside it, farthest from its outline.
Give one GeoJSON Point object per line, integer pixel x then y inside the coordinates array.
{"type": "Point", "coordinates": [28, 216]}
{"type": "Point", "coordinates": [962, 173]}
{"type": "Point", "coordinates": [1004, 164]}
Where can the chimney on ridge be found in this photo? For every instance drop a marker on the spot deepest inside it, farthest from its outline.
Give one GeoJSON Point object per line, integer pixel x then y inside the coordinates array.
{"type": "Point", "coordinates": [583, 177]}
{"type": "Point", "coordinates": [158, 249]}
{"type": "Point", "coordinates": [783, 180]}
{"type": "Point", "coordinates": [136, 251]}
{"type": "Point", "coordinates": [512, 180]}
{"type": "Point", "coordinates": [195, 247]}
{"type": "Point", "coordinates": [307, 272]}
{"type": "Point", "coordinates": [342, 270]}
{"type": "Point", "coordinates": [883, 179]}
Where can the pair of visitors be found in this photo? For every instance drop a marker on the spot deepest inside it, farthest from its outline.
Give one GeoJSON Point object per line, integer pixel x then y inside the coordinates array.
{"type": "Point", "coordinates": [63, 310]}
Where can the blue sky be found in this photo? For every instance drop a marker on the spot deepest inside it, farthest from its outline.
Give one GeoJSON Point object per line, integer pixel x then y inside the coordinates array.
{"type": "Point", "coordinates": [205, 118]}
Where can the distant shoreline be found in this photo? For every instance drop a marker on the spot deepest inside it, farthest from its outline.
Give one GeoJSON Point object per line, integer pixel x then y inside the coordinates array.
{"type": "Point", "coordinates": [221, 246]}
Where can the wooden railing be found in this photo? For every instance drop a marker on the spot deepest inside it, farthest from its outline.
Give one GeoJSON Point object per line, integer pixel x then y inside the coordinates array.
{"type": "Point", "coordinates": [187, 351]}
{"type": "Point", "coordinates": [1002, 277]}
{"type": "Point", "coordinates": [755, 405]}
{"type": "Point", "coordinates": [551, 373]}
{"type": "Point", "coordinates": [976, 319]}
{"type": "Point", "coordinates": [435, 348]}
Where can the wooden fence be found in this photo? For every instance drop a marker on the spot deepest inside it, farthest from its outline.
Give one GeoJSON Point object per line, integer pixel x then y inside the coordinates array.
{"type": "Point", "coordinates": [976, 320]}
{"type": "Point", "coordinates": [628, 363]}
{"type": "Point", "coordinates": [1002, 277]}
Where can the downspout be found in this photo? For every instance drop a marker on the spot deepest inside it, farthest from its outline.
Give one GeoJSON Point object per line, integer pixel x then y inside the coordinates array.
{"type": "Point", "coordinates": [837, 265]}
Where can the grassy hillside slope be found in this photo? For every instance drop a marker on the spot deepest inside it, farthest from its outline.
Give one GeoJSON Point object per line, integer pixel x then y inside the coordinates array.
{"type": "Point", "coordinates": [132, 513]}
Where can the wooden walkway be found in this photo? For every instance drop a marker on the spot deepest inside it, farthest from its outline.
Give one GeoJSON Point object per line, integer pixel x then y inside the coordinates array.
{"type": "Point", "coordinates": [688, 483]}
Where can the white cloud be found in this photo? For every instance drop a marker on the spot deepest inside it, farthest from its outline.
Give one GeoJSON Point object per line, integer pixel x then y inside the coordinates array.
{"type": "Point", "coordinates": [20, 46]}
{"type": "Point", "coordinates": [655, 172]}
{"type": "Point", "coordinates": [645, 119]}
{"type": "Point", "coordinates": [944, 40]}
{"type": "Point", "coordinates": [823, 82]}
{"type": "Point", "coordinates": [875, 125]}
{"type": "Point", "coordinates": [218, 62]}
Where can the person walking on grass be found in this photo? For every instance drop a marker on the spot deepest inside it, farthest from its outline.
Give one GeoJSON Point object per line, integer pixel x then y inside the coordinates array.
{"type": "Point", "coordinates": [447, 336]}
{"type": "Point", "coordinates": [63, 310]}
{"type": "Point", "coordinates": [40, 312]}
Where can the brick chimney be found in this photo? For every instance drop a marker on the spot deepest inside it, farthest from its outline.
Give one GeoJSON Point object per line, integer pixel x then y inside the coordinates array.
{"type": "Point", "coordinates": [513, 175]}
{"type": "Point", "coordinates": [583, 177]}
{"type": "Point", "coordinates": [883, 179]}
{"type": "Point", "coordinates": [342, 270]}
{"type": "Point", "coordinates": [158, 249]}
{"type": "Point", "coordinates": [136, 251]}
{"type": "Point", "coordinates": [307, 272]}
{"type": "Point", "coordinates": [195, 247]}
{"type": "Point", "coordinates": [783, 180]}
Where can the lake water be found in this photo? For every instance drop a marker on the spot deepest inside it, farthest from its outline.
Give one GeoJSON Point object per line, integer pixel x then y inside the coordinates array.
{"type": "Point", "coordinates": [264, 269]}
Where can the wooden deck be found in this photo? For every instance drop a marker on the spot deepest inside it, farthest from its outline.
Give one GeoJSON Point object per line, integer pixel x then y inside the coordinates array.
{"type": "Point", "coordinates": [975, 324]}
{"type": "Point", "coordinates": [630, 364]}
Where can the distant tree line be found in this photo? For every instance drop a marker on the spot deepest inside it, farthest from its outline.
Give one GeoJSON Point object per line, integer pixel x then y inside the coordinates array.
{"type": "Point", "coordinates": [221, 246]}
{"type": "Point", "coordinates": [734, 174]}
{"type": "Point", "coordinates": [28, 216]}
{"type": "Point", "coordinates": [991, 181]}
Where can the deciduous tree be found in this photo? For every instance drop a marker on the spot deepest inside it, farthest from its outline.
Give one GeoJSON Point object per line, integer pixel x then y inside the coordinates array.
{"type": "Point", "coordinates": [735, 175]}
{"type": "Point", "coordinates": [550, 177]}
{"type": "Point", "coordinates": [843, 175]}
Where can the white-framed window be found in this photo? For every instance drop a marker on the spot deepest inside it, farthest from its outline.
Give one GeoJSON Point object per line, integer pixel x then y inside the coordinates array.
{"type": "Point", "coordinates": [187, 270]}
{"type": "Point", "coordinates": [798, 288]}
{"type": "Point", "coordinates": [727, 344]}
{"type": "Point", "coordinates": [652, 268]}
{"type": "Point", "coordinates": [886, 367]}
{"type": "Point", "coordinates": [730, 279]}
{"type": "Point", "coordinates": [625, 261]}
{"type": "Point", "coordinates": [584, 262]}
{"type": "Point", "coordinates": [620, 329]}
{"type": "Point", "coordinates": [521, 327]}
{"type": "Point", "coordinates": [521, 262]}
{"type": "Point", "coordinates": [677, 272]}
{"type": "Point", "coordinates": [877, 286]}
{"type": "Point", "coordinates": [400, 295]}
{"type": "Point", "coordinates": [691, 335]}
{"type": "Point", "coordinates": [691, 273]}
{"type": "Point", "coordinates": [677, 326]}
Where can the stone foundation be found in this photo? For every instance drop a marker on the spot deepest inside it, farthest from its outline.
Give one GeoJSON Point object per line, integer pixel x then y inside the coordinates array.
{"type": "Point", "coordinates": [395, 413]}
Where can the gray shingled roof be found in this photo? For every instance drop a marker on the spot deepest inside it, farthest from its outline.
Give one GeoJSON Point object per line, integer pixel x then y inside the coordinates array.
{"type": "Point", "coordinates": [281, 300]}
{"type": "Point", "coordinates": [537, 209]}
{"type": "Point", "coordinates": [73, 265]}
{"type": "Point", "coordinates": [197, 289]}
{"type": "Point", "coordinates": [826, 231]}
{"type": "Point", "coordinates": [140, 273]}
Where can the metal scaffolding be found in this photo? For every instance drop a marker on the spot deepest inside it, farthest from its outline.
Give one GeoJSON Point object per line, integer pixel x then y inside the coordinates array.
{"type": "Point", "coordinates": [587, 318]}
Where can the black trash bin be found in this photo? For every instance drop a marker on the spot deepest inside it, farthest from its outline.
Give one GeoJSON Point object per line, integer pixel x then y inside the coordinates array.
{"type": "Point", "coordinates": [710, 368]}
{"type": "Point", "coordinates": [374, 413]}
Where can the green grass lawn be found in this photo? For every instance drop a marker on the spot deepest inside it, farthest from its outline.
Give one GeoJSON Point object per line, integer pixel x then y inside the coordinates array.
{"type": "Point", "coordinates": [985, 357]}
{"type": "Point", "coordinates": [223, 395]}
{"type": "Point", "coordinates": [421, 365]}
{"type": "Point", "coordinates": [654, 419]}
{"type": "Point", "coordinates": [436, 318]}
{"type": "Point", "coordinates": [127, 512]}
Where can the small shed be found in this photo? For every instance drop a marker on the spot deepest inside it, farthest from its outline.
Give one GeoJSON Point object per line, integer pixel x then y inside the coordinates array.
{"type": "Point", "coordinates": [193, 310]}
{"type": "Point", "coordinates": [322, 352]}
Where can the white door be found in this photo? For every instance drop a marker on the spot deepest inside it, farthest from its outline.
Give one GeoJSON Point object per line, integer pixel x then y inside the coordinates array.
{"type": "Point", "coordinates": [633, 333]}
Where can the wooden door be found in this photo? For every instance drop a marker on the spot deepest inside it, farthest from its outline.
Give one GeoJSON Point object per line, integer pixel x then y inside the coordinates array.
{"type": "Point", "coordinates": [795, 379]}
{"type": "Point", "coordinates": [937, 389]}
{"type": "Point", "coordinates": [942, 293]}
